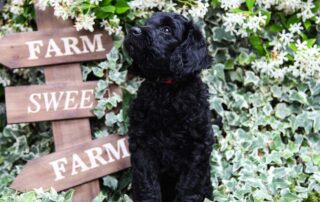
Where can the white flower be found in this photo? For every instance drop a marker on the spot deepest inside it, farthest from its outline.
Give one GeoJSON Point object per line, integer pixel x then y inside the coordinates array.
{"type": "Point", "coordinates": [289, 6]}
{"type": "Point", "coordinates": [306, 63]}
{"type": "Point", "coordinates": [170, 6]}
{"type": "Point", "coordinates": [255, 23]}
{"type": "Point", "coordinates": [4, 81]}
{"type": "Point", "coordinates": [272, 66]}
{"type": "Point", "coordinates": [96, 2]}
{"type": "Point", "coordinates": [17, 2]}
{"type": "Point", "coordinates": [146, 4]}
{"type": "Point", "coordinates": [6, 30]}
{"type": "Point", "coordinates": [295, 72]}
{"type": "Point", "coordinates": [269, 68]}
{"type": "Point", "coordinates": [5, 16]}
{"type": "Point", "coordinates": [233, 21]}
{"type": "Point", "coordinates": [85, 22]}
{"type": "Point", "coordinates": [306, 12]}
{"type": "Point", "coordinates": [285, 38]}
{"type": "Point", "coordinates": [263, 66]}
{"type": "Point", "coordinates": [112, 26]}
{"type": "Point", "coordinates": [301, 45]}
{"type": "Point", "coordinates": [67, 3]}
{"type": "Point", "coordinates": [266, 3]}
{"type": "Point", "coordinates": [219, 17]}
{"type": "Point", "coordinates": [61, 11]}
{"type": "Point", "coordinates": [238, 23]}
{"type": "Point", "coordinates": [296, 28]}
{"type": "Point", "coordinates": [230, 4]}
{"type": "Point", "coordinates": [17, 10]}
{"type": "Point", "coordinates": [42, 4]}
{"type": "Point", "coordinates": [242, 33]}
{"type": "Point", "coordinates": [276, 43]}
{"type": "Point", "coordinates": [279, 73]}
{"type": "Point", "coordinates": [199, 10]}
{"type": "Point", "coordinates": [113, 30]}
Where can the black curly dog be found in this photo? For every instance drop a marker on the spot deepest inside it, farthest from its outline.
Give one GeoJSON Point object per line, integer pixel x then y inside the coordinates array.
{"type": "Point", "coordinates": [170, 133]}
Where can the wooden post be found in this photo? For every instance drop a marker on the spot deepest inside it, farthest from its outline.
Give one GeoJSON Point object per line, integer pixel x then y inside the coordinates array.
{"type": "Point", "coordinates": [70, 132]}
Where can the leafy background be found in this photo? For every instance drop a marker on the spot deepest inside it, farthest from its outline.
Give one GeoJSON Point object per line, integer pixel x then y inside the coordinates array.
{"type": "Point", "coordinates": [264, 89]}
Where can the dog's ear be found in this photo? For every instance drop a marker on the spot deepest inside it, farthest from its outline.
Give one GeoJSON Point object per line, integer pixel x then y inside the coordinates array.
{"type": "Point", "coordinates": [192, 54]}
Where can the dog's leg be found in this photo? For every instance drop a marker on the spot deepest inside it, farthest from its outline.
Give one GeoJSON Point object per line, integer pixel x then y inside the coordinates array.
{"type": "Point", "coordinates": [145, 178]}
{"type": "Point", "coordinates": [194, 182]}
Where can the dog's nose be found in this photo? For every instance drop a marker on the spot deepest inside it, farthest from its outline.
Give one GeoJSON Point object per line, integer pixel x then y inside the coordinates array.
{"type": "Point", "coordinates": [136, 31]}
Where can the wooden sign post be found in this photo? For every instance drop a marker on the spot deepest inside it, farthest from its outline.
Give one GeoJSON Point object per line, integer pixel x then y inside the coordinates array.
{"type": "Point", "coordinates": [65, 100]}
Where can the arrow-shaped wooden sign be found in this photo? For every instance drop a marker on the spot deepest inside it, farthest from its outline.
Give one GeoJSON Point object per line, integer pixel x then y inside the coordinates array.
{"type": "Point", "coordinates": [64, 45]}
{"type": "Point", "coordinates": [79, 164]}
{"type": "Point", "coordinates": [49, 102]}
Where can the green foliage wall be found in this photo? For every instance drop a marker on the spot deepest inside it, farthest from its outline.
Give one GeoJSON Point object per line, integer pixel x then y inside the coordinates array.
{"type": "Point", "coordinates": [264, 86]}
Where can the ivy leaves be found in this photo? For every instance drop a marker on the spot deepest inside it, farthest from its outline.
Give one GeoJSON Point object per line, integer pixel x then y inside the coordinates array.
{"type": "Point", "coordinates": [106, 9]}
{"type": "Point", "coordinates": [272, 130]}
{"type": "Point", "coordinates": [41, 195]}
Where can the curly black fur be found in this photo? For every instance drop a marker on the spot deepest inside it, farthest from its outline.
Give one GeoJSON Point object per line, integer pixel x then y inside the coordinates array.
{"type": "Point", "coordinates": [170, 133]}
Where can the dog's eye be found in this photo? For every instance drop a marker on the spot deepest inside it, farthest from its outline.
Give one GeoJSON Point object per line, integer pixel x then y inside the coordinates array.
{"type": "Point", "coordinates": [166, 30]}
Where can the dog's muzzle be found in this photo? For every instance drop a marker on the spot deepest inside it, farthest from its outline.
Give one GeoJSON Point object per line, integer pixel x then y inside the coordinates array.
{"type": "Point", "coordinates": [137, 40]}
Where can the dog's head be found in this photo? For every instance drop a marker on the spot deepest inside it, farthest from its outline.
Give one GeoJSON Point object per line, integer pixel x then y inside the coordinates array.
{"type": "Point", "coordinates": [168, 45]}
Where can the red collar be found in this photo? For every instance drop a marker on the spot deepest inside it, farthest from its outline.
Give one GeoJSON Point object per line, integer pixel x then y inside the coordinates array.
{"type": "Point", "coordinates": [168, 81]}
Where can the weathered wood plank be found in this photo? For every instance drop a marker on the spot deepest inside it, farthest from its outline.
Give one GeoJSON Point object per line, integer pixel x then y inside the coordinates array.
{"type": "Point", "coordinates": [55, 101]}
{"type": "Point", "coordinates": [53, 46]}
{"type": "Point", "coordinates": [50, 102]}
{"type": "Point", "coordinates": [76, 165]}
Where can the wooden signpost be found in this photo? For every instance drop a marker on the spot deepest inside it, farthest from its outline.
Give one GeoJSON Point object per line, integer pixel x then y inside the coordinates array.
{"type": "Point", "coordinates": [65, 100]}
